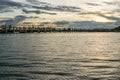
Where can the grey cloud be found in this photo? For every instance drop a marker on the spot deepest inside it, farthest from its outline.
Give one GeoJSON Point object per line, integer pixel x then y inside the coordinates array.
{"type": "Point", "coordinates": [9, 6]}
{"type": "Point", "coordinates": [108, 3]}
{"type": "Point", "coordinates": [109, 17]}
{"type": "Point", "coordinates": [8, 3]}
{"type": "Point", "coordinates": [31, 11]}
{"type": "Point", "coordinates": [33, 17]}
{"type": "Point", "coordinates": [92, 25]}
{"type": "Point", "coordinates": [3, 10]}
{"type": "Point", "coordinates": [15, 21]}
{"type": "Point", "coordinates": [58, 8]}
{"type": "Point", "coordinates": [117, 19]}
{"type": "Point", "coordinates": [61, 23]}
{"type": "Point", "coordinates": [47, 6]}
{"type": "Point", "coordinates": [27, 23]}
{"type": "Point", "coordinates": [7, 22]}
{"type": "Point", "coordinates": [87, 24]}
{"type": "Point", "coordinates": [93, 4]}
{"type": "Point", "coordinates": [113, 3]}
{"type": "Point", "coordinates": [100, 14]}
{"type": "Point", "coordinates": [37, 12]}
{"type": "Point", "coordinates": [116, 10]}
{"type": "Point", "coordinates": [20, 17]}
{"type": "Point", "coordinates": [84, 13]}
{"type": "Point", "coordinates": [36, 2]}
{"type": "Point", "coordinates": [50, 13]}
{"type": "Point", "coordinates": [68, 8]}
{"type": "Point", "coordinates": [117, 23]}
{"type": "Point", "coordinates": [44, 23]}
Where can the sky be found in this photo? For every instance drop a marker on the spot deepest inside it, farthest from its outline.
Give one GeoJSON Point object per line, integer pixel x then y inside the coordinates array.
{"type": "Point", "coordinates": [86, 14]}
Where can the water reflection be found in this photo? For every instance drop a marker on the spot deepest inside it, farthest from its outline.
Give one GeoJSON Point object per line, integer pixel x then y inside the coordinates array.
{"type": "Point", "coordinates": [79, 56]}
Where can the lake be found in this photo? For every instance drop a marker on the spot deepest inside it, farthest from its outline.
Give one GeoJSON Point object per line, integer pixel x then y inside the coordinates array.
{"type": "Point", "coordinates": [60, 56]}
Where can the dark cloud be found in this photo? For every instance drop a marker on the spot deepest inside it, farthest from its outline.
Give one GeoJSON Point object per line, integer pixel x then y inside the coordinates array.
{"type": "Point", "coordinates": [20, 17]}
{"type": "Point", "coordinates": [15, 21]}
{"type": "Point", "coordinates": [93, 4]}
{"type": "Point", "coordinates": [108, 3]}
{"type": "Point", "coordinates": [8, 3]}
{"type": "Point", "coordinates": [36, 2]}
{"type": "Point", "coordinates": [47, 6]}
{"type": "Point", "coordinates": [102, 15]}
{"type": "Point", "coordinates": [116, 19]}
{"type": "Point", "coordinates": [33, 17]}
{"type": "Point", "coordinates": [68, 8]}
{"type": "Point", "coordinates": [113, 3]}
{"type": "Point", "coordinates": [109, 17]}
{"type": "Point", "coordinates": [61, 23]}
{"type": "Point", "coordinates": [44, 23]}
{"type": "Point", "coordinates": [10, 6]}
{"type": "Point", "coordinates": [7, 22]}
{"type": "Point", "coordinates": [84, 13]}
{"type": "Point", "coordinates": [31, 11]}
{"type": "Point", "coordinates": [27, 23]}
{"type": "Point", "coordinates": [37, 12]}
{"type": "Point", "coordinates": [49, 13]}
{"type": "Point", "coordinates": [3, 9]}
{"type": "Point", "coordinates": [58, 8]}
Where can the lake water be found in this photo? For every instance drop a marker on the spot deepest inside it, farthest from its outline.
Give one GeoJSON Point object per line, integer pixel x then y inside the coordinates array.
{"type": "Point", "coordinates": [60, 56]}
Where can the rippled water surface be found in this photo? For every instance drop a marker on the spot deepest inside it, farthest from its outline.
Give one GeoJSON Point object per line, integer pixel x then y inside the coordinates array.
{"type": "Point", "coordinates": [60, 56]}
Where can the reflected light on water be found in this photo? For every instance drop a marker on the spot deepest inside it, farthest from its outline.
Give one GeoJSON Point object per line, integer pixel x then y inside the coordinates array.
{"type": "Point", "coordinates": [63, 56]}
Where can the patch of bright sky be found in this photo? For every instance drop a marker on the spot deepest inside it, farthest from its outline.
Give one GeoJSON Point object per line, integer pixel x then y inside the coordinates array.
{"type": "Point", "coordinates": [21, 1]}
{"type": "Point", "coordinates": [70, 16]}
{"type": "Point", "coordinates": [11, 14]}
{"type": "Point", "coordinates": [82, 4]}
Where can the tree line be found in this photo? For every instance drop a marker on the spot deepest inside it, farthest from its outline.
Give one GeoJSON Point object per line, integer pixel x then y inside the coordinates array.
{"type": "Point", "coordinates": [11, 29]}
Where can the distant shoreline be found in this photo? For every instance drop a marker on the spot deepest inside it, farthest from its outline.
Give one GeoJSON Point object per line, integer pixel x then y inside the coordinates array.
{"type": "Point", "coordinates": [53, 30]}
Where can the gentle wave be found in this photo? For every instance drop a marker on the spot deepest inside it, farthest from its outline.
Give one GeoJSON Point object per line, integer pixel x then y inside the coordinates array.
{"type": "Point", "coordinates": [60, 56]}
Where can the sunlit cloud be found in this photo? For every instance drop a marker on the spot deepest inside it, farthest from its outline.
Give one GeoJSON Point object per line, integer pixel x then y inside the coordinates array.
{"type": "Point", "coordinates": [60, 12]}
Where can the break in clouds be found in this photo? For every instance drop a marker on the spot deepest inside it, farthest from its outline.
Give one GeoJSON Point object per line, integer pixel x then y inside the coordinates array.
{"type": "Point", "coordinates": [80, 13]}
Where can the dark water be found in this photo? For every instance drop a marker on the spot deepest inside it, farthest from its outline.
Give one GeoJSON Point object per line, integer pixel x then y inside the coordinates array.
{"type": "Point", "coordinates": [60, 56]}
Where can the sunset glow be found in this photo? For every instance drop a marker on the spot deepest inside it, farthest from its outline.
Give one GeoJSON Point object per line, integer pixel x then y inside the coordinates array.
{"type": "Point", "coordinates": [59, 39]}
{"type": "Point", "coordinates": [100, 19]}
{"type": "Point", "coordinates": [75, 12]}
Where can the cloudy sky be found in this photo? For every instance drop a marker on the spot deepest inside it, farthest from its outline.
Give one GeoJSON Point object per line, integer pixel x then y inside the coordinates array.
{"type": "Point", "coordinates": [68, 13]}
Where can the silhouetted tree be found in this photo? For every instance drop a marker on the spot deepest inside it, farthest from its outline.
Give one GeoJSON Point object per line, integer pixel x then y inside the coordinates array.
{"type": "Point", "coordinates": [117, 28]}
{"type": "Point", "coordinates": [10, 26]}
